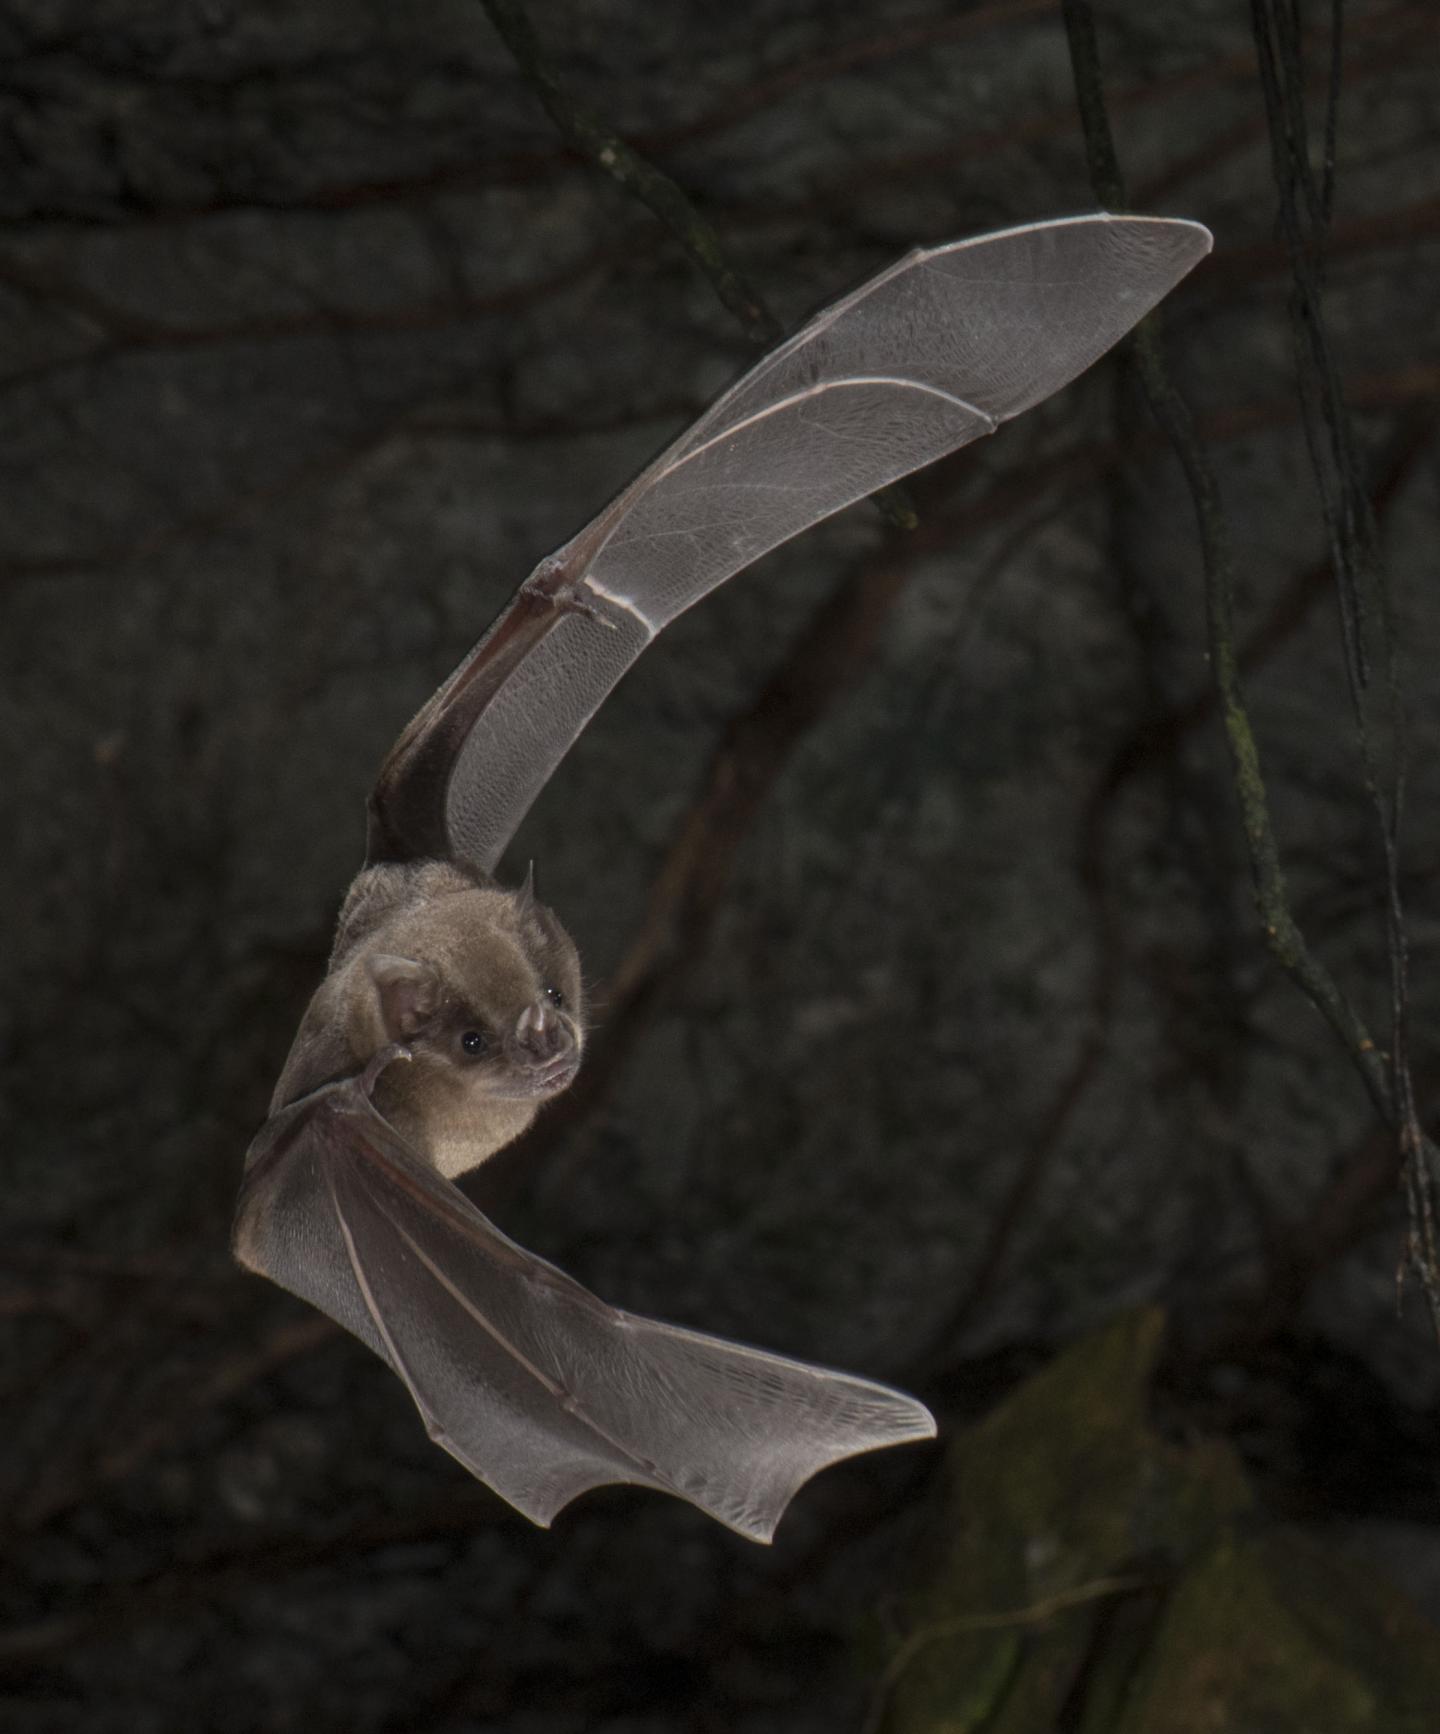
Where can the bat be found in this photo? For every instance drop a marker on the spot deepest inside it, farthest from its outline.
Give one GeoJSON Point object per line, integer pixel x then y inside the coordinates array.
{"type": "Point", "coordinates": [452, 1007]}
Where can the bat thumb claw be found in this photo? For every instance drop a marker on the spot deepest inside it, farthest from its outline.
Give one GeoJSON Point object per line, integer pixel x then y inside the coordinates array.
{"type": "Point", "coordinates": [380, 1060]}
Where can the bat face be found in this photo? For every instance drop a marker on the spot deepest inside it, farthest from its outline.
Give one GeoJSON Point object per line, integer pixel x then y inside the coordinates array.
{"type": "Point", "coordinates": [502, 1015]}
{"type": "Point", "coordinates": [483, 987]}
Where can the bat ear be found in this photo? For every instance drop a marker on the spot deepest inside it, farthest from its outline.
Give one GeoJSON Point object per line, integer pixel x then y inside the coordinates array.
{"type": "Point", "coordinates": [409, 994]}
{"type": "Point", "coordinates": [526, 894]}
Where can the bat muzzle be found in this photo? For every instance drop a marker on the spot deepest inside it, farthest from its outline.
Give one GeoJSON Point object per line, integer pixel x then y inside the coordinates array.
{"type": "Point", "coordinates": [542, 1052]}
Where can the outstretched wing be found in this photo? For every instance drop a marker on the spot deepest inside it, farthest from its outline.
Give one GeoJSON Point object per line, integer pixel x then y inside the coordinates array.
{"type": "Point", "coordinates": [934, 352]}
{"type": "Point", "coordinates": [539, 1388]}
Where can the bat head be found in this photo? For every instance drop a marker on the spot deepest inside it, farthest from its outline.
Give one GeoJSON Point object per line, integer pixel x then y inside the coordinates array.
{"type": "Point", "coordinates": [484, 987]}
{"type": "Point", "coordinates": [496, 995]}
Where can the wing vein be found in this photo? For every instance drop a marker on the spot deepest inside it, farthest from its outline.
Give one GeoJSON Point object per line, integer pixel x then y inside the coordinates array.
{"type": "Point", "coordinates": [813, 391]}
{"type": "Point", "coordinates": [367, 1294]}
{"type": "Point", "coordinates": [567, 1400]}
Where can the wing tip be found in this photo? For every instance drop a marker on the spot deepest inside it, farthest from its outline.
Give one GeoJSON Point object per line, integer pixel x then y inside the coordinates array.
{"type": "Point", "coordinates": [908, 1422]}
{"type": "Point", "coordinates": [1192, 240]}
{"type": "Point", "coordinates": [1191, 225]}
{"type": "Point", "coordinates": [1200, 236]}
{"type": "Point", "coordinates": [927, 1426]}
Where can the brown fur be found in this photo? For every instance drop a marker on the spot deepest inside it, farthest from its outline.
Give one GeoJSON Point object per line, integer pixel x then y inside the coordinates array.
{"type": "Point", "coordinates": [494, 952]}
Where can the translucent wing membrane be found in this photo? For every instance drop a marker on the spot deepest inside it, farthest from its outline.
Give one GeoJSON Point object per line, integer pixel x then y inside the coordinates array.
{"type": "Point", "coordinates": [539, 1388]}
{"type": "Point", "coordinates": [934, 352]}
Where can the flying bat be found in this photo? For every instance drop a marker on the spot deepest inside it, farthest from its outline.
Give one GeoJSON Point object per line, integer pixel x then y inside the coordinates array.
{"type": "Point", "coordinates": [452, 1008]}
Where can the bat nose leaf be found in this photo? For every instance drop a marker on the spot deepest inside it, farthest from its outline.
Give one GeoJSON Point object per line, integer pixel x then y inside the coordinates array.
{"type": "Point", "coordinates": [541, 1034]}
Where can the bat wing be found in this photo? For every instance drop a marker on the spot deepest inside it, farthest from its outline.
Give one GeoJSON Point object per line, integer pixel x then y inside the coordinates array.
{"type": "Point", "coordinates": [934, 352]}
{"type": "Point", "coordinates": [538, 1387]}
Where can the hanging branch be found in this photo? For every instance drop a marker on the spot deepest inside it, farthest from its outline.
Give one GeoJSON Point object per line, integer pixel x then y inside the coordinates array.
{"type": "Point", "coordinates": [1305, 206]}
{"type": "Point", "coordinates": [1389, 1090]}
{"type": "Point", "coordinates": [589, 137]}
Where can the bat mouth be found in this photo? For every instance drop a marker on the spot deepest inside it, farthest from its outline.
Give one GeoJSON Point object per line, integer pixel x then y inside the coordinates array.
{"type": "Point", "coordinates": [542, 1080]}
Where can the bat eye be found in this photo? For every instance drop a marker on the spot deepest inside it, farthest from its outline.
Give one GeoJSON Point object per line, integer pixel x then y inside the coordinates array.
{"type": "Point", "coordinates": [554, 995]}
{"type": "Point", "coordinates": [474, 1043]}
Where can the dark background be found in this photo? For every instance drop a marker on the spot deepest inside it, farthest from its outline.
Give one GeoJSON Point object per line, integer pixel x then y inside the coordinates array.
{"type": "Point", "coordinates": [961, 1038]}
